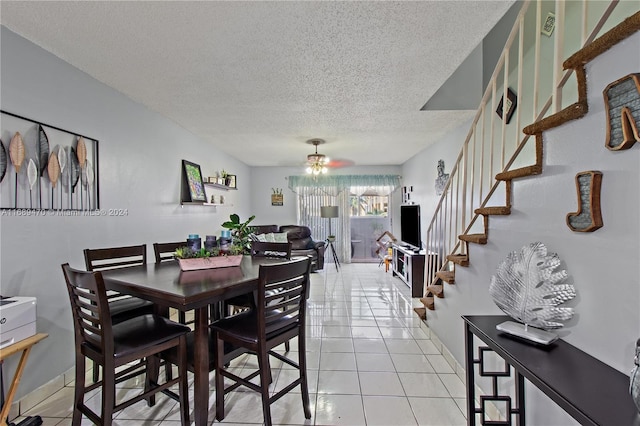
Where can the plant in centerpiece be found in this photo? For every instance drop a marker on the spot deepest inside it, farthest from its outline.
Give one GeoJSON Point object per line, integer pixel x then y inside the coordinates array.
{"type": "Point", "coordinates": [240, 232]}
{"type": "Point", "coordinates": [190, 259]}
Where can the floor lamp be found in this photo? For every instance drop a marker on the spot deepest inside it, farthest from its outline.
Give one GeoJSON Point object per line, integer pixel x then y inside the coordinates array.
{"type": "Point", "coordinates": [331, 212]}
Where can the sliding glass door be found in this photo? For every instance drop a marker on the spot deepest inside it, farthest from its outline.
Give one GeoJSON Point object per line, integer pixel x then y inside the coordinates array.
{"type": "Point", "coordinates": [369, 219]}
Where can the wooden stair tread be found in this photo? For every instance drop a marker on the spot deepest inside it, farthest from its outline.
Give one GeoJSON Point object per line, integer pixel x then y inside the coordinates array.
{"type": "Point", "coordinates": [436, 289]}
{"type": "Point", "coordinates": [429, 302]}
{"type": "Point", "coordinates": [518, 173]}
{"type": "Point", "coordinates": [474, 238]}
{"type": "Point", "coordinates": [421, 312]}
{"type": "Point", "coordinates": [448, 276]}
{"type": "Point", "coordinates": [459, 259]}
{"type": "Point", "coordinates": [497, 211]}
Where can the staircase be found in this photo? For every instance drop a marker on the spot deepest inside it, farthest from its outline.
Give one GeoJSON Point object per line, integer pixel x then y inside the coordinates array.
{"type": "Point", "coordinates": [495, 152]}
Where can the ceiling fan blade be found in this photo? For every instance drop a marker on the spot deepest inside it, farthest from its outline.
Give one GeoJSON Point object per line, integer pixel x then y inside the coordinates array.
{"type": "Point", "coordinates": [338, 163]}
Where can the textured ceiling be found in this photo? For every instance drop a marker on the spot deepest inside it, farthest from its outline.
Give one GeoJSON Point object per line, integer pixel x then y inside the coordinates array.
{"type": "Point", "coordinates": [257, 79]}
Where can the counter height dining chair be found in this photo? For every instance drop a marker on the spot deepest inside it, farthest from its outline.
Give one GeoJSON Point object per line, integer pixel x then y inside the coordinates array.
{"type": "Point", "coordinates": [258, 249]}
{"type": "Point", "coordinates": [164, 251]}
{"type": "Point", "coordinates": [268, 249]}
{"type": "Point", "coordinates": [114, 346]}
{"type": "Point", "coordinates": [122, 307]}
{"type": "Point", "coordinates": [276, 319]}
{"type": "Point", "coordinates": [272, 250]}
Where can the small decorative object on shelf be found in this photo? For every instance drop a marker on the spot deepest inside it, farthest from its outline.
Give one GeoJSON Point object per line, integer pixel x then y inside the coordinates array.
{"type": "Point", "coordinates": [634, 385]}
{"type": "Point", "coordinates": [528, 288]}
{"type": "Point", "coordinates": [230, 181]}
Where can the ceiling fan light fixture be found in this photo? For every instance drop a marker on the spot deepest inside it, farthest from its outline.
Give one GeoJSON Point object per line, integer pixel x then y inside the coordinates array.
{"type": "Point", "coordinates": [316, 162]}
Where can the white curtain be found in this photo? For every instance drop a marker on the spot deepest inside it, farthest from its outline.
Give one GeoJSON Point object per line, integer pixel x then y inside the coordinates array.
{"type": "Point", "coordinates": [314, 192]}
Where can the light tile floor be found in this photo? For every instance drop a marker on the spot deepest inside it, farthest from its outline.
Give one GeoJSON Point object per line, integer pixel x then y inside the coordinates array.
{"type": "Point", "coordinates": [369, 363]}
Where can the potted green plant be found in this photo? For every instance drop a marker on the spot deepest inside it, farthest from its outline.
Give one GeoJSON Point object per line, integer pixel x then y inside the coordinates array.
{"type": "Point", "coordinates": [190, 259]}
{"type": "Point", "coordinates": [240, 232]}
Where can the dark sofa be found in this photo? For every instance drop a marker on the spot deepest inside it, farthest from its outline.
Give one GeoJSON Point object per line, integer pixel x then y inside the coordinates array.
{"type": "Point", "coordinates": [301, 242]}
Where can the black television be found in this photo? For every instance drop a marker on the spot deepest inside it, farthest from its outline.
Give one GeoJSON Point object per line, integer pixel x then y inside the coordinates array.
{"type": "Point", "coordinates": [410, 225]}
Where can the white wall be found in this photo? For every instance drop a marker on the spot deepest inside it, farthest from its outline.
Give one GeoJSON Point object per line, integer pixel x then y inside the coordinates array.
{"type": "Point", "coordinates": [603, 265]}
{"type": "Point", "coordinates": [421, 172]}
{"type": "Point", "coordinates": [140, 170]}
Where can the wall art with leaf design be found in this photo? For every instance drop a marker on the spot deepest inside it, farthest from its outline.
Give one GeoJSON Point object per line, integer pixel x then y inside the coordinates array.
{"type": "Point", "coordinates": [45, 167]}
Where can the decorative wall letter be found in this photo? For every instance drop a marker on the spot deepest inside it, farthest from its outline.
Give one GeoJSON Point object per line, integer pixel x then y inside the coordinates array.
{"type": "Point", "coordinates": [588, 217]}
{"type": "Point", "coordinates": [622, 102]}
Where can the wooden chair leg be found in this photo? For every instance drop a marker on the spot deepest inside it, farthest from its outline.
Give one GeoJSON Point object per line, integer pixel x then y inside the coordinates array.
{"type": "Point", "coordinates": [168, 373]}
{"type": "Point", "coordinates": [151, 377]}
{"type": "Point", "coordinates": [108, 394]}
{"type": "Point", "coordinates": [219, 380]}
{"type": "Point", "coordinates": [304, 385]}
{"type": "Point", "coordinates": [183, 387]}
{"type": "Point", "coordinates": [79, 389]}
{"type": "Point", "coordinates": [265, 380]}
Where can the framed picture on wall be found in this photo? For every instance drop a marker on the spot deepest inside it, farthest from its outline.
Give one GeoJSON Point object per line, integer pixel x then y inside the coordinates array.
{"type": "Point", "coordinates": [231, 181]}
{"type": "Point", "coordinates": [506, 109]}
{"type": "Point", "coordinates": [192, 182]}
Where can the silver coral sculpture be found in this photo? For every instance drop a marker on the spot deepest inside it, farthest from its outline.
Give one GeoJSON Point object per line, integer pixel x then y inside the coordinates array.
{"type": "Point", "coordinates": [529, 287]}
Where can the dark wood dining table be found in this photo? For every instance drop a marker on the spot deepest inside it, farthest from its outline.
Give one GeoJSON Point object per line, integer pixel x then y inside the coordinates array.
{"type": "Point", "coordinates": [166, 285]}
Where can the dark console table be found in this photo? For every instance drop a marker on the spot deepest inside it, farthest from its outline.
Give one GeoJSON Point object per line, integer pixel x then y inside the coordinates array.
{"type": "Point", "coordinates": [589, 390]}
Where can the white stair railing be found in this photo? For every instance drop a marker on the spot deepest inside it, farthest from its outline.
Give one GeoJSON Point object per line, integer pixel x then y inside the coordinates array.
{"type": "Point", "coordinates": [531, 63]}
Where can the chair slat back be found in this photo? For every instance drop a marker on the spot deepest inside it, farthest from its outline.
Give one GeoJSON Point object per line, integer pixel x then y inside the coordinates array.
{"type": "Point", "coordinates": [164, 251]}
{"type": "Point", "coordinates": [89, 307]}
{"type": "Point", "coordinates": [267, 249]}
{"type": "Point", "coordinates": [115, 257]}
{"type": "Point", "coordinates": [281, 295]}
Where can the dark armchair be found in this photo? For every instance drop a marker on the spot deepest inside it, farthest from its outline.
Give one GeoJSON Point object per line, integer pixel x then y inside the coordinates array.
{"type": "Point", "coordinates": [301, 242]}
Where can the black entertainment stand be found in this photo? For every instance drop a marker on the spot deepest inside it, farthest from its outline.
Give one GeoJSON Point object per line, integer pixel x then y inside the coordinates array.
{"type": "Point", "coordinates": [589, 390]}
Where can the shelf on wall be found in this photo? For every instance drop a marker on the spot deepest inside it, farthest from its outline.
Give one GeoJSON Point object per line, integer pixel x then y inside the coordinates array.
{"type": "Point", "coordinates": [219, 186]}
{"type": "Point", "coordinates": [198, 203]}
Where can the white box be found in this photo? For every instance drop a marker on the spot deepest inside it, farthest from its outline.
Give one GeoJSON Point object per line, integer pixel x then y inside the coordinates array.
{"type": "Point", "coordinates": [17, 319]}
